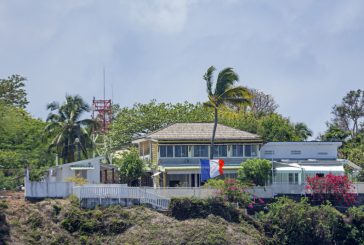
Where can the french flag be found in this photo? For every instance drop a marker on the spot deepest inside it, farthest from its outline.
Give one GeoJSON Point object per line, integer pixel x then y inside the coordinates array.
{"type": "Point", "coordinates": [211, 168]}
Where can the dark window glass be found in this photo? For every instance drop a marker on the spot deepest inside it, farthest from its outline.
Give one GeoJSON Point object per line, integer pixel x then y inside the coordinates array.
{"type": "Point", "coordinates": [248, 150]}
{"type": "Point", "coordinates": [162, 151]}
{"type": "Point", "coordinates": [181, 151]}
{"type": "Point", "coordinates": [200, 151]}
{"type": "Point", "coordinates": [238, 150]}
{"type": "Point", "coordinates": [220, 151]}
{"type": "Point", "coordinates": [166, 151]}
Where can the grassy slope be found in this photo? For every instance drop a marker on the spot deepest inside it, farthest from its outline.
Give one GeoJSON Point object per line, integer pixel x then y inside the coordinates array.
{"type": "Point", "coordinates": [41, 223]}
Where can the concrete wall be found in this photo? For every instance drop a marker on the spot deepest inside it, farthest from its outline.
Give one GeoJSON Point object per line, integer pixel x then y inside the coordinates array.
{"type": "Point", "coordinates": [47, 189]}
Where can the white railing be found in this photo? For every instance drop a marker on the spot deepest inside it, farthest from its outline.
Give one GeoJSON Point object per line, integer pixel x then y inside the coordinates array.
{"type": "Point", "coordinates": [359, 186]}
{"type": "Point", "coordinates": [114, 191]}
{"type": "Point", "coordinates": [106, 191]}
{"type": "Point", "coordinates": [156, 201]}
{"type": "Point", "coordinates": [170, 192]}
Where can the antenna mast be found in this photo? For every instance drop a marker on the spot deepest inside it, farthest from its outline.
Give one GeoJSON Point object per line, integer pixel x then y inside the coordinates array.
{"type": "Point", "coordinates": [102, 110]}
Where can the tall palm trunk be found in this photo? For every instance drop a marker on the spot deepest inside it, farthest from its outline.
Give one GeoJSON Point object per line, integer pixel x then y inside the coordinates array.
{"type": "Point", "coordinates": [213, 135]}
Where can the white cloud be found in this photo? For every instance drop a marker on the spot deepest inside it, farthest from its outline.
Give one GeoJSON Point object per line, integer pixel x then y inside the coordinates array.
{"type": "Point", "coordinates": [160, 15]}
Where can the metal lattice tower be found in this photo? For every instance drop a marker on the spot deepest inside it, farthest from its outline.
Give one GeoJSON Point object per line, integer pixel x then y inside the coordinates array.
{"type": "Point", "coordinates": [102, 113]}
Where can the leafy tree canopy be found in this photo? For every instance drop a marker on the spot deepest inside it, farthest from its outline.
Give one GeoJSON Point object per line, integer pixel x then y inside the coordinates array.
{"type": "Point", "coordinates": [224, 92]}
{"type": "Point", "coordinates": [349, 114]}
{"type": "Point", "coordinates": [145, 118]}
{"type": "Point", "coordinates": [21, 138]}
{"type": "Point", "coordinates": [67, 128]}
{"type": "Point", "coordinates": [256, 171]}
{"type": "Point", "coordinates": [12, 91]}
{"type": "Point", "coordinates": [21, 144]}
{"type": "Point", "coordinates": [291, 222]}
{"type": "Point", "coordinates": [142, 119]}
{"type": "Point", "coordinates": [130, 165]}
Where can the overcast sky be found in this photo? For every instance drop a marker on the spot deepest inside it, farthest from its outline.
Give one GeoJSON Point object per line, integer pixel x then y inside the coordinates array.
{"type": "Point", "coordinates": [307, 54]}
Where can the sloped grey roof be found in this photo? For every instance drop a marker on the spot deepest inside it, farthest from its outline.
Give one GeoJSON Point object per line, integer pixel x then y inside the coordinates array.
{"type": "Point", "coordinates": [200, 131]}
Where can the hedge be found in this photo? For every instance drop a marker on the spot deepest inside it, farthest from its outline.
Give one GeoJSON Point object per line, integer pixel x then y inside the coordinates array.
{"type": "Point", "coordinates": [192, 208]}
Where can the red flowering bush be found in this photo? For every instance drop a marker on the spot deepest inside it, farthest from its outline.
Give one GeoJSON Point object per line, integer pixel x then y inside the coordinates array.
{"type": "Point", "coordinates": [334, 188]}
{"type": "Point", "coordinates": [233, 191]}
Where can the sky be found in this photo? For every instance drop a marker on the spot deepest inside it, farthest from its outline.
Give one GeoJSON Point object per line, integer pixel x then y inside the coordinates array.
{"type": "Point", "coordinates": [307, 54]}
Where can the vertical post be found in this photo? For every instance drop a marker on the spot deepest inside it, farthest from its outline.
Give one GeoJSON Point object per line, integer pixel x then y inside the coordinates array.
{"type": "Point", "coordinates": [56, 159]}
{"type": "Point", "coordinates": [165, 179]}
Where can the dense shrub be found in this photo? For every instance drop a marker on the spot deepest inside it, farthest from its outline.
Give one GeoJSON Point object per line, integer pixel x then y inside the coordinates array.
{"type": "Point", "coordinates": [256, 171]}
{"type": "Point", "coordinates": [189, 208]}
{"type": "Point", "coordinates": [291, 222]}
{"type": "Point", "coordinates": [214, 183]}
{"type": "Point", "coordinates": [4, 227]}
{"type": "Point", "coordinates": [234, 192]}
{"type": "Point", "coordinates": [35, 220]}
{"type": "Point", "coordinates": [356, 217]}
{"type": "Point", "coordinates": [110, 220]}
{"type": "Point", "coordinates": [336, 189]}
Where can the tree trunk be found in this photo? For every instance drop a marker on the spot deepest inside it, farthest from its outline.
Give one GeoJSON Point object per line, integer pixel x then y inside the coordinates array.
{"type": "Point", "coordinates": [213, 135]}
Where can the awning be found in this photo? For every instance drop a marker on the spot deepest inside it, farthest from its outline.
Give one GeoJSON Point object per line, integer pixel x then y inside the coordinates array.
{"type": "Point", "coordinates": [81, 166]}
{"type": "Point", "coordinates": [337, 168]}
{"type": "Point", "coordinates": [288, 169]}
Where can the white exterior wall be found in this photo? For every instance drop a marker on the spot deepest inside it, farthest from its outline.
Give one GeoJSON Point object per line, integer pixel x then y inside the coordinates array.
{"type": "Point", "coordinates": [64, 171]}
{"type": "Point", "coordinates": [308, 150]}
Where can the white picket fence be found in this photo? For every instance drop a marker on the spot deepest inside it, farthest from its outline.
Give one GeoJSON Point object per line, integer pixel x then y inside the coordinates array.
{"type": "Point", "coordinates": [182, 192]}
{"type": "Point", "coordinates": [114, 191]}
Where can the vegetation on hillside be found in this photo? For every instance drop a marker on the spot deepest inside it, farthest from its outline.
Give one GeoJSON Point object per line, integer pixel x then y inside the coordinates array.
{"type": "Point", "coordinates": [60, 222]}
{"type": "Point", "coordinates": [347, 126]}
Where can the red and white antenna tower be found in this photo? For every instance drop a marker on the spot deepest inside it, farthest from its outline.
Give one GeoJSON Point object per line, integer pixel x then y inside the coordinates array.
{"type": "Point", "coordinates": [102, 112]}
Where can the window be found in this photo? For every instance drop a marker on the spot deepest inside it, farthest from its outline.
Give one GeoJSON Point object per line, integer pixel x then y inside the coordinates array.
{"type": "Point", "coordinates": [220, 151]}
{"type": "Point", "coordinates": [296, 152]}
{"type": "Point", "coordinates": [293, 178]}
{"type": "Point", "coordinates": [181, 151]}
{"type": "Point", "coordinates": [238, 150]}
{"type": "Point", "coordinates": [269, 152]}
{"type": "Point", "coordinates": [251, 150]}
{"type": "Point", "coordinates": [165, 151]}
{"type": "Point", "coordinates": [323, 153]}
{"type": "Point", "coordinates": [200, 151]}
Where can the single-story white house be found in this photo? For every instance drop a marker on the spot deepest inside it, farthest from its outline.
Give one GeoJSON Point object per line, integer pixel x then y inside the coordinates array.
{"type": "Point", "coordinates": [93, 170]}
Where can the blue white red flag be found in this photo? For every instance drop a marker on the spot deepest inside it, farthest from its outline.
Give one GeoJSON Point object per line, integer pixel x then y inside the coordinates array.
{"type": "Point", "coordinates": [211, 168]}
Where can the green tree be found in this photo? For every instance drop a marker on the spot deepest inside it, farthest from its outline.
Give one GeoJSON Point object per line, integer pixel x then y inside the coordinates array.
{"type": "Point", "coordinates": [274, 127]}
{"type": "Point", "coordinates": [67, 129]}
{"type": "Point", "coordinates": [302, 131]}
{"type": "Point", "coordinates": [256, 171]}
{"type": "Point", "coordinates": [12, 91]}
{"type": "Point", "coordinates": [350, 113]}
{"type": "Point", "coordinates": [224, 93]}
{"type": "Point", "coordinates": [130, 165]}
{"type": "Point", "coordinates": [142, 119]}
{"type": "Point", "coordinates": [291, 222]}
{"type": "Point", "coordinates": [21, 144]}
{"type": "Point", "coordinates": [334, 133]}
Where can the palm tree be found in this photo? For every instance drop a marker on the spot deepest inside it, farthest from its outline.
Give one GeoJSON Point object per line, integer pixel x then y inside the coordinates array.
{"type": "Point", "coordinates": [67, 128]}
{"type": "Point", "coordinates": [224, 93]}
